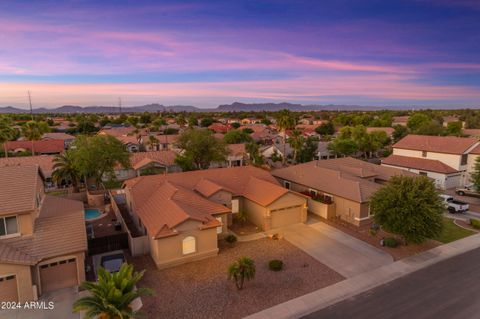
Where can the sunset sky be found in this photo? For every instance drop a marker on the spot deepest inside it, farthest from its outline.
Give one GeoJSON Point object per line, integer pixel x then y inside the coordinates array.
{"type": "Point", "coordinates": [205, 53]}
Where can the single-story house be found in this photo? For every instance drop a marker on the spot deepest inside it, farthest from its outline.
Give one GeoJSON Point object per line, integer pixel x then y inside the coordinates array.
{"type": "Point", "coordinates": [41, 147]}
{"type": "Point", "coordinates": [183, 214]}
{"type": "Point", "coordinates": [338, 188]}
{"type": "Point", "coordinates": [42, 238]}
{"type": "Point", "coordinates": [67, 138]}
{"type": "Point", "coordinates": [148, 163]}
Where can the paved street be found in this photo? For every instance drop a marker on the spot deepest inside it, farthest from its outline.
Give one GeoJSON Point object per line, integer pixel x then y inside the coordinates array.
{"type": "Point", "coordinates": [449, 289]}
{"type": "Point", "coordinates": [343, 253]}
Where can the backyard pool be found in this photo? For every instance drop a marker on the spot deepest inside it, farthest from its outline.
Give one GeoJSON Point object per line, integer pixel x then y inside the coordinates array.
{"type": "Point", "coordinates": [92, 213]}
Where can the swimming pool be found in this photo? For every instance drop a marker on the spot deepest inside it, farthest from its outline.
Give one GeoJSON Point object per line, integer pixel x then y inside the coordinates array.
{"type": "Point", "coordinates": [92, 213]}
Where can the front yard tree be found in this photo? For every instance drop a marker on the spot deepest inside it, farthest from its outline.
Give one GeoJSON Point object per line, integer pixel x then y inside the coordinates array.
{"type": "Point", "coordinates": [475, 179]}
{"type": "Point", "coordinates": [285, 121]}
{"type": "Point", "coordinates": [111, 297]}
{"type": "Point", "coordinates": [6, 132]}
{"type": "Point", "coordinates": [243, 268]}
{"type": "Point", "coordinates": [410, 207]}
{"type": "Point", "coordinates": [33, 131]}
{"type": "Point", "coordinates": [97, 156]}
{"type": "Point", "coordinates": [200, 148]}
{"type": "Point", "coordinates": [64, 169]}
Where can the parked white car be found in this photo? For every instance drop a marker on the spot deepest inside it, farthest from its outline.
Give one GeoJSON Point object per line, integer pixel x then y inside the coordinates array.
{"type": "Point", "coordinates": [454, 206]}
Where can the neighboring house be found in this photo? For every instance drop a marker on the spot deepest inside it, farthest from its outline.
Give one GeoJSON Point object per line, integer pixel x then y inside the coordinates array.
{"type": "Point", "coordinates": [67, 138]}
{"type": "Point", "coordinates": [447, 157]}
{"type": "Point", "coordinates": [41, 147]}
{"type": "Point", "coordinates": [117, 131]}
{"type": "Point", "coordinates": [42, 238]}
{"type": "Point", "coordinates": [183, 214]}
{"type": "Point", "coordinates": [323, 152]}
{"type": "Point", "coordinates": [451, 119]}
{"type": "Point", "coordinates": [132, 142]}
{"type": "Point", "coordinates": [473, 132]}
{"type": "Point", "coordinates": [277, 149]}
{"type": "Point", "coordinates": [148, 163]}
{"type": "Point", "coordinates": [250, 120]}
{"type": "Point", "coordinates": [400, 120]}
{"type": "Point", "coordinates": [164, 142]}
{"type": "Point", "coordinates": [219, 128]}
{"type": "Point", "coordinates": [237, 156]}
{"type": "Point", "coordinates": [45, 162]}
{"type": "Point", "coordinates": [388, 130]}
{"type": "Point", "coordinates": [339, 188]}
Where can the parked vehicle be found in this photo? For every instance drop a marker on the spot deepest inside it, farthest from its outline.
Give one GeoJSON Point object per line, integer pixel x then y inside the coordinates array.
{"type": "Point", "coordinates": [467, 191]}
{"type": "Point", "coordinates": [454, 206]}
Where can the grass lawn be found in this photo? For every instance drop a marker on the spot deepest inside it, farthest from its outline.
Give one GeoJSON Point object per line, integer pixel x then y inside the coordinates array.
{"type": "Point", "coordinates": [452, 232]}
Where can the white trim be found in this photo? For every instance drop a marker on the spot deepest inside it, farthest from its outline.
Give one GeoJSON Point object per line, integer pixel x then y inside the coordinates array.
{"type": "Point", "coordinates": [362, 218]}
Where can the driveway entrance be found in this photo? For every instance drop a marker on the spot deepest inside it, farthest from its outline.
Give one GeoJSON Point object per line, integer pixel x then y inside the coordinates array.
{"type": "Point", "coordinates": [343, 253]}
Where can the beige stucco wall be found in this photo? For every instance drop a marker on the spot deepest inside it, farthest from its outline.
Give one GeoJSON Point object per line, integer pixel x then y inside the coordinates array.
{"type": "Point", "coordinates": [451, 160]}
{"type": "Point", "coordinates": [255, 212]}
{"type": "Point", "coordinates": [167, 252]}
{"type": "Point", "coordinates": [23, 277]}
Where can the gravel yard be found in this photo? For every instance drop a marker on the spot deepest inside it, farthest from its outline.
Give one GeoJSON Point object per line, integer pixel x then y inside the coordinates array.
{"type": "Point", "coordinates": [201, 289]}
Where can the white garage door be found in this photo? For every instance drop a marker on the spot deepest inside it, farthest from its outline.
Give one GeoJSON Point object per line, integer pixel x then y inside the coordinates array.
{"type": "Point", "coordinates": [58, 275]}
{"type": "Point", "coordinates": [286, 216]}
{"type": "Point", "coordinates": [8, 288]}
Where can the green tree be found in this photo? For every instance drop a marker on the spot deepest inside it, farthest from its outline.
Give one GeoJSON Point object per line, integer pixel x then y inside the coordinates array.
{"type": "Point", "coordinates": [475, 178]}
{"type": "Point", "coordinates": [454, 128]}
{"type": "Point", "coordinates": [64, 169]}
{"type": "Point", "coordinates": [192, 121]}
{"type": "Point", "coordinates": [410, 207]}
{"type": "Point", "coordinates": [308, 151]}
{"type": "Point", "coordinates": [285, 121]}
{"type": "Point", "coordinates": [325, 128]}
{"type": "Point", "coordinates": [253, 151]}
{"type": "Point", "coordinates": [33, 131]}
{"type": "Point", "coordinates": [206, 122]}
{"type": "Point", "coordinates": [111, 297]}
{"type": "Point", "coordinates": [243, 268]}
{"type": "Point", "coordinates": [236, 136]}
{"type": "Point", "coordinates": [343, 147]}
{"type": "Point", "coordinates": [86, 127]}
{"type": "Point", "coordinates": [235, 125]}
{"type": "Point", "coordinates": [97, 156]}
{"type": "Point", "coordinates": [6, 132]}
{"type": "Point", "coordinates": [201, 148]}
{"type": "Point", "coordinates": [417, 120]}
{"type": "Point", "coordinates": [431, 128]}
{"type": "Point", "coordinates": [296, 141]}
{"type": "Point", "coordinates": [399, 132]}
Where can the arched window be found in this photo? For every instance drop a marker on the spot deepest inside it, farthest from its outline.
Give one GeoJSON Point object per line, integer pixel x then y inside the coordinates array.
{"type": "Point", "coordinates": [189, 245]}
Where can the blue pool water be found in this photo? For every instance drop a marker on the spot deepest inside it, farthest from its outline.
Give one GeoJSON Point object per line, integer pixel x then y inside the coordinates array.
{"type": "Point", "coordinates": [91, 213]}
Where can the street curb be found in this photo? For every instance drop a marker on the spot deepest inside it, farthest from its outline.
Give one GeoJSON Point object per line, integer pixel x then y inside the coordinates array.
{"type": "Point", "coordinates": [322, 298]}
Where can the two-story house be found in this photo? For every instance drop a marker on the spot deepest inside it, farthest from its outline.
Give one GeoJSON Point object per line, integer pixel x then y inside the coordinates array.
{"type": "Point", "coordinates": [42, 238]}
{"type": "Point", "coordinates": [442, 158]}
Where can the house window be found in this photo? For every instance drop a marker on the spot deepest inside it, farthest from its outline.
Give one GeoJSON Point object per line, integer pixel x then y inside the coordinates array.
{"type": "Point", "coordinates": [423, 173]}
{"type": "Point", "coordinates": [286, 184]}
{"type": "Point", "coordinates": [219, 228]}
{"type": "Point", "coordinates": [189, 244]}
{"type": "Point", "coordinates": [424, 153]}
{"type": "Point", "coordinates": [463, 160]}
{"type": "Point", "coordinates": [235, 206]}
{"type": "Point", "coordinates": [8, 225]}
{"type": "Point", "coordinates": [313, 193]}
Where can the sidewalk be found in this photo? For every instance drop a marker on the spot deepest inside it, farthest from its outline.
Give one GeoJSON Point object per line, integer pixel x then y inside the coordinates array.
{"type": "Point", "coordinates": [348, 288]}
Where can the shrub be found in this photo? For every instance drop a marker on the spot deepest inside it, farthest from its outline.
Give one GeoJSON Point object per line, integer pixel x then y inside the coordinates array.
{"type": "Point", "coordinates": [372, 231]}
{"type": "Point", "coordinates": [390, 242]}
{"type": "Point", "coordinates": [231, 239]}
{"type": "Point", "coordinates": [475, 223]}
{"type": "Point", "coordinates": [275, 265]}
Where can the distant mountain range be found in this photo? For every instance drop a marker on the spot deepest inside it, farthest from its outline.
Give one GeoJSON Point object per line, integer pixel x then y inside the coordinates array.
{"type": "Point", "coordinates": [234, 107]}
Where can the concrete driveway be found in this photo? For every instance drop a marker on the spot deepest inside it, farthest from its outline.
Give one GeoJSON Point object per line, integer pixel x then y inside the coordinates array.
{"type": "Point", "coordinates": [62, 307]}
{"type": "Point", "coordinates": [343, 253]}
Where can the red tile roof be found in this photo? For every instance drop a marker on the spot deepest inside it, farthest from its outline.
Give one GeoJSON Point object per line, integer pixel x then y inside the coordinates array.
{"type": "Point", "coordinates": [42, 146]}
{"type": "Point", "coordinates": [438, 144]}
{"type": "Point", "coordinates": [421, 164]}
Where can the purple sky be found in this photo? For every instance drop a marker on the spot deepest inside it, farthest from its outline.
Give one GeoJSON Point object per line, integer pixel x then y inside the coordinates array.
{"type": "Point", "coordinates": [205, 53]}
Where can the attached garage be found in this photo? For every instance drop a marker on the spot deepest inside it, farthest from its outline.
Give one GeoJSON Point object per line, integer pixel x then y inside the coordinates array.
{"type": "Point", "coordinates": [8, 288]}
{"type": "Point", "coordinates": [59, 274]}
{"type": "Point", "coordinates": [286, 216]}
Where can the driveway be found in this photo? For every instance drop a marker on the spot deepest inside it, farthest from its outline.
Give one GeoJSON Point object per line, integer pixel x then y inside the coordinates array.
{"type": "Point", "coordinates": [343, 253]}
{"type": "Point", "coordinates": [62, 307]}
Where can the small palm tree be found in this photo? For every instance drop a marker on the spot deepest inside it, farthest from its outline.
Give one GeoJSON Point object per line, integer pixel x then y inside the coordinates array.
{"type": "Point", "coordinates": [285, 121]}
{"type": "Point", "coordinates": [64, 169]}
{"type": "Point", "coordinates": [112, 295]}
{"type": "Point", "coordinates": [153, 142]}
{"type": "Point", "coordinates": [243, 268]}
{"type": "Point", "coordinates": [33, 131]}
{"type": "Point", "coordinates": [6, 132]}
{"type": "Point", "coordinates": [296, 141]}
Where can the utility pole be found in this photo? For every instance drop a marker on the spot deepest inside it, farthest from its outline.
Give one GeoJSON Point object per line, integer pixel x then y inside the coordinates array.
{"type": "Point", "coordinates": [30, 102]}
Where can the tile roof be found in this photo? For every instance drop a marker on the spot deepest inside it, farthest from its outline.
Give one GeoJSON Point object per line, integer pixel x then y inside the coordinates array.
{"type": "Point", "coordinates": [438, 144]}
{"type": "Point", "coordinates": [388, 130]}
{"type": "Point", "coordinates": [41, 146]}
{"type": "Point", "coordinates": [44, 161]}
{"type": "Point", "coordinates": [57, 136]}
{"type": "Point", "coordinates": [237, 149]}
{"type": "Point", "coordinates": [164, 201]}
{"type": "Point", "coordinates": [18, 188]}
{"type": "Point", "coordinates": [472, 132]}
{"type": "Point", "coordinates": [345, 177]}
{"type": "Point", "coordinates": [59, 230]}
{"type": "Point", "coordinates": [422, 164]}
{"type": "Point", "coordinates": [117, 131]}
{"type": "Point", "coordinates": [140, 159]}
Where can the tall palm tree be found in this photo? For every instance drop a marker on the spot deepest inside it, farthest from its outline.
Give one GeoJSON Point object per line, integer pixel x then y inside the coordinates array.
{"type": "Point", "coordinates": [6, 132]}
{"type": "Point", "coordinates": [33, 131]}
{"type": "Point", "coordinates": [153, 141]}
{"type": "Point", "coordinates": [285, 121]}
{"type": "Point", "coordinates": [64, 170]}
{"type": "Point", "coordinates": [243, 268]}
{"type": "Point", "coordinates": [111, 297]}
{"type": "Point", "coordinates": [296, 141]}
